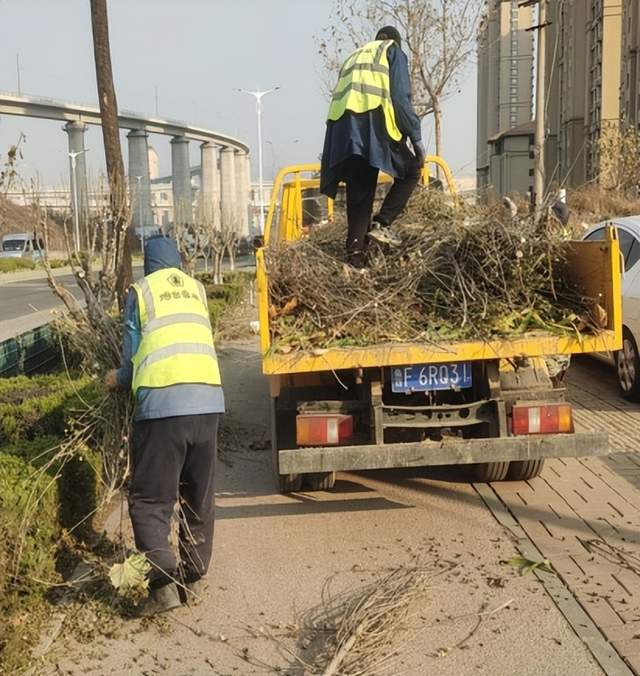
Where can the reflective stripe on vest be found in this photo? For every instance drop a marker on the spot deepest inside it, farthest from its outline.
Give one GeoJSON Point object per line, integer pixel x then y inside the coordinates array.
{"type": "Point", "coordinates": [176, 345]}
{"type": "Point", "coordinates": [364, 85]}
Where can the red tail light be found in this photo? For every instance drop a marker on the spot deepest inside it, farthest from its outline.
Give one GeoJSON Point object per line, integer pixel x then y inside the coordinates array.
{"type": "Point", "coordinates": [319, 429]}
{"type": "Point", "coordinates": [542, 418]}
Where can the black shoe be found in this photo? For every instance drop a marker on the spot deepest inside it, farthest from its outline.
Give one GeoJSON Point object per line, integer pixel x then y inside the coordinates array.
{"type": "Point", "coordinates": [357, 260]}
{"type": "Point", "coordinates": [160, 600]}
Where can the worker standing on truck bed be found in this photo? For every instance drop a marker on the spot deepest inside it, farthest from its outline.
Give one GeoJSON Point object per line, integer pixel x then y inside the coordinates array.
{"type": "Point", "coordinates": [370, 118]}
{"type": "Point", "coordinates": [170, 363]}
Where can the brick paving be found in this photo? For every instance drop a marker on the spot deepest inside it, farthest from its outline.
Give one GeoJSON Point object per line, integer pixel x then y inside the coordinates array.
{"type": "Point", "coordinates": [584, 515]}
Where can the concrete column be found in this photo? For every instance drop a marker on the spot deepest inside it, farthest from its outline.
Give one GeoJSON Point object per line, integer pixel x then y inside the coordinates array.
{"type": "Point", "coordinates": [228, 192]}
{"type": "Point", "coordinates": [75, 132]}
{"type": "Point", "coordinates": [139, 190]}
{"type": "Point", "coordinates": [181, 181]}
{"type": "Point", "coordinates": [242, 192]}
{"type": "Point", "coordinates": [209, 184]}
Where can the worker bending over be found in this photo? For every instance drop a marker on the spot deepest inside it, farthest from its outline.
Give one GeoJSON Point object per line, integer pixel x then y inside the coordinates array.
{"type": "Point", "coordinates": [370, 118]}
{"type": "Point", "coordinates": [169, 362]}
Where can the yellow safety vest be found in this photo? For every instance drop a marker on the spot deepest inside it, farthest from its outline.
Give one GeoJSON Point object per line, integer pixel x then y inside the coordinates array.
{"type": "Point", "coordinates": [176, 345]}
{"type": "Point", "coordinates": [364, 85]}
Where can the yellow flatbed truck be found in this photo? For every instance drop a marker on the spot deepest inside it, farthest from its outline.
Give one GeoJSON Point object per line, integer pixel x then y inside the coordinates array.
{"type": "Point", "coordinates": [498, 406]}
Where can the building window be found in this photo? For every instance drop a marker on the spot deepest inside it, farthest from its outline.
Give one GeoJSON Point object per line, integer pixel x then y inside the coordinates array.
{"type": "Point", "coordinates": [163, 196]}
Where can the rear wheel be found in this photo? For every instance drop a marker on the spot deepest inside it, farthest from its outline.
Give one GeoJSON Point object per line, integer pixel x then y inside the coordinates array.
{"type": "Point", "coordinates": [321, 481]}
{"type": "Point", "coordinates": [522, 470]}
{"type": "Point", "coordinates": [283, 436]}
{"type": "Point", "coordinates": [628, 367]}
{"type": "Point", "coordinates": [490, 471]}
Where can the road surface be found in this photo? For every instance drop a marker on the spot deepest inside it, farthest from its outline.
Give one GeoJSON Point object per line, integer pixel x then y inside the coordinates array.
{"type": "Point", "coordinates": [20, 298]}
{"type": "Point", "coordinates": [274, 555]}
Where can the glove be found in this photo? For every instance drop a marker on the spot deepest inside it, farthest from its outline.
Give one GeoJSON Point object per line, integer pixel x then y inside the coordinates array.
{"type": "Point", "coordinates": [420, 152]}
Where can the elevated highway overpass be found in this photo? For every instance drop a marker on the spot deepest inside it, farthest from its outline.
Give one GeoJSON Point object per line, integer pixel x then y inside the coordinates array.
{"type": "Point", "coordinates": [225, 170]}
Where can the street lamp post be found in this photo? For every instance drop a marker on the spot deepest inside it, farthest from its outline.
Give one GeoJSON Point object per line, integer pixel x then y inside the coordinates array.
{"type": "Point", "coordinates": [76, 215]}
{"type": "Point", "coordinates": [258, 94]}
{"type": "Point", "coordinates": [139, 196]}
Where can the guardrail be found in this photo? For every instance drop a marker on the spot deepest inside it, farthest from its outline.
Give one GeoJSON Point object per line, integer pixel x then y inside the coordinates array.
{"type": "Point", "coordinates": [35, 351]}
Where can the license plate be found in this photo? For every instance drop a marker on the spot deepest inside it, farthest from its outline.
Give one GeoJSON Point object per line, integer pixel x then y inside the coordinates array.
{"type": "Point", "coordinates": [429, 377]}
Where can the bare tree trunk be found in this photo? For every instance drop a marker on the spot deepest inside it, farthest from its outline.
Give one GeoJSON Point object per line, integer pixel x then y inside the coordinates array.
{"type": "Point", "coordinates": [437, 118]}
{"type": "Point", "coordinates": [111, 137]}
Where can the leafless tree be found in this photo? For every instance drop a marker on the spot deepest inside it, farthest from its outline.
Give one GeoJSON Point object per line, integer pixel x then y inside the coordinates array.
{"type": "Point", "coordinates": [439, 37]}
{"type": "Point", "coordinates": [111, 137]}
{"type": "Point", "coordinates": [8, 172]}
{"type": "Point", "coordinates": [217, 256]}
{"type": "Point", "coordinates": [619, 159]}
{"type": "Point", "coordinates": [193, 242]}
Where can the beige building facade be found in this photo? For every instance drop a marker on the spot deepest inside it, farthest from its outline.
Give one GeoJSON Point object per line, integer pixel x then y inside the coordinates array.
{"type": "Point", "coordinates": [630, 75]}
{"type": "Point", "coordinates": [583, 76]}
{"type": "Point", "coordinates": [505, 91]}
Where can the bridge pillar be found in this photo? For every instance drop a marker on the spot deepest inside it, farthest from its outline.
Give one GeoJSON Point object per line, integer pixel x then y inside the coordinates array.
{"type": "Point", "coordinates": [78, 177]}
{"type": "Point", "coordinates": [181, 181]}
{"type": "Point", "coordinates": [242, 193]}
{"type": "Point", "coordinates": [209, 185]}
{"type": "Point", "coordinates": [139, 190]}
{"type": "Point", "coordinates": [228, 190]}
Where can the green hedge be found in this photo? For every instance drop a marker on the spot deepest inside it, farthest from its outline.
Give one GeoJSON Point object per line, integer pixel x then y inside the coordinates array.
{"type": "Point", "coordinates": [29, 532]}
{"type": "Point", "coordinates": [41, 493]}
{"type": "Point", "coordinates": [15, 264]}
{"type": "Point", "coordinates": [38, 406]}
{"type": "Point", "coordinates": [223, 296]}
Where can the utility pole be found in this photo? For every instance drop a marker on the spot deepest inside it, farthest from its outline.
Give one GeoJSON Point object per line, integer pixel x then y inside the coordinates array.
{"type": "Point", "coordinates": [540, 132]}
{"type": "Point", "coordinates": [18, 73]}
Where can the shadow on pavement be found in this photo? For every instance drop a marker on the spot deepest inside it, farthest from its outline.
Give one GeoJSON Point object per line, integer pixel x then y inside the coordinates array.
{"type": "Point", "coordinates": [300, 504]}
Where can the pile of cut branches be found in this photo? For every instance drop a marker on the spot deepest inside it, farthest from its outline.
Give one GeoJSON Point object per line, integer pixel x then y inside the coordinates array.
{"type": "Point", "coordinates": [463, 272]}
{"type": "Point", "coordinates": [91, 331]}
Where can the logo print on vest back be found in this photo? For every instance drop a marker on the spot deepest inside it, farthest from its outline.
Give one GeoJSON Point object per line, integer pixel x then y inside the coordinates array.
{"type": "Point", "coordinates": [175, 280]}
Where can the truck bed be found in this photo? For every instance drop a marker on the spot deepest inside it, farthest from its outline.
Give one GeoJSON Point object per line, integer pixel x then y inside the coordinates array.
{"type": "Point", "coordinates": [594, 267]}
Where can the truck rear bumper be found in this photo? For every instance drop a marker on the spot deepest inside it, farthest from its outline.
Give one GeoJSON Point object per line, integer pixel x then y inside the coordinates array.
{"type": "Point", "coordinates": [429, 453]}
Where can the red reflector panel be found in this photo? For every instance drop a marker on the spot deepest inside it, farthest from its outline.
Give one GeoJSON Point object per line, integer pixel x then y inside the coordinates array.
{"type": "Point", "coordinates": [541, 419]}
{"type": "Point", "coordinates": [319, 429]}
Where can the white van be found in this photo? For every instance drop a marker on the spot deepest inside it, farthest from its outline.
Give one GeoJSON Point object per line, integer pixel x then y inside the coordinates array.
{"type": "Point", "coordinates": [21, 245]}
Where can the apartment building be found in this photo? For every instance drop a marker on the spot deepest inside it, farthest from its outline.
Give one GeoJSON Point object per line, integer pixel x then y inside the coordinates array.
{"type": "Point", "coordinates": [583, 67]}
{"type": "Point", "coordinates": [505, 91]}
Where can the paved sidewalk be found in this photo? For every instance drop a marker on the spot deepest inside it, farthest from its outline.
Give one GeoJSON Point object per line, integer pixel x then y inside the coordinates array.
{"type": "Point", "coordinates": [275, 555]}
{"type": "Point", "coordinates": [584, 515]}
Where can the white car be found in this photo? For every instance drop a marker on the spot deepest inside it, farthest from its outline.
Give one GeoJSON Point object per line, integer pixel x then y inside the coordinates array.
{"type": "Point", "coordinates": [627, 360]}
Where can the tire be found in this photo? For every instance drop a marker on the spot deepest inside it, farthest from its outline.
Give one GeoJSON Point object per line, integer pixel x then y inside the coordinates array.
{"type": "Point", "coordinates": [283, 435]}
{"type": "Point", "coordinates": [486, 472]}
{"type": "Point", "coordinates": [628, 367]}
{"type": "Point", "coordinates": [322, 481]}
{"type": "Point", "coordinates": [522, 470]}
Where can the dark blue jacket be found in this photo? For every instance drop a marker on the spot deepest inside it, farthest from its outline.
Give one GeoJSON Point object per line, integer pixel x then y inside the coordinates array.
{"type": "Point", "coordinates": [165, 402]}
{"type": "Point", "coordinates": [365, 134]}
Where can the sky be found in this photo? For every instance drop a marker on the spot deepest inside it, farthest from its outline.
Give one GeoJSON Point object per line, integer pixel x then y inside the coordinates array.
{"type": "Point", "coordinates": [197, 53]}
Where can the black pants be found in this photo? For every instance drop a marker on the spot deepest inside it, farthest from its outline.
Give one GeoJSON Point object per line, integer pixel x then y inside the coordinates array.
{"type": "Point", "coordinates": [361, 180]}
{"type": "Point", "coordinates": [174, 458]}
